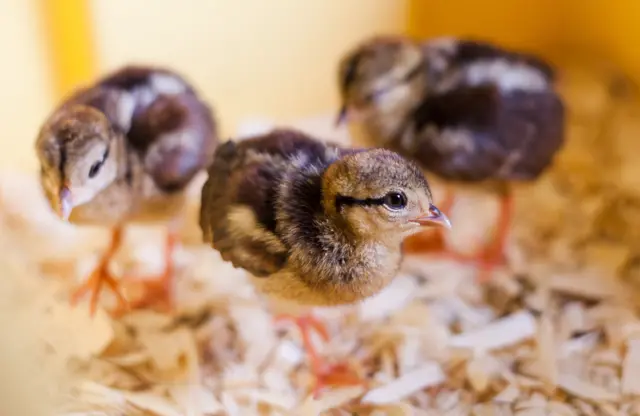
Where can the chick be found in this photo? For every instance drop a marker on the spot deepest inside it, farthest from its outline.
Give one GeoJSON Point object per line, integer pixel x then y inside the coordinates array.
{"type": "Point", "coordinates": [469, 112]}
{"type": "Point", "coordinates": [123, 151]}
{"type": "Point", "coordinates": [315, 224]}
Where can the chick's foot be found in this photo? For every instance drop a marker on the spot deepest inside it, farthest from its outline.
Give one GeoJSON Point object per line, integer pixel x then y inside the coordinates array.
{"type": "Point", "coordinates": [101, 276]}
{"type": "Point", "coordinates": [154, 292]}
{"type": "Point", "coordinates": [325, 375]}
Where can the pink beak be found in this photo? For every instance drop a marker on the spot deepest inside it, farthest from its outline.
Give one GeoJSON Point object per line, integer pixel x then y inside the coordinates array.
{"type": "Point", "coordinates": [434, 217]}
{"type": "Point", "coordinates": [65, 203]}
{"type": "Point", "coordinates": [342, 116]}
{"type": "Point", "coordinates": [347, 114]}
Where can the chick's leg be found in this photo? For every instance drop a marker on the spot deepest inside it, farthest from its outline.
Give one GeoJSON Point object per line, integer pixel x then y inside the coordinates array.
{"type": "Point", "coordinates": [101, 275]}
{"type": "Point", "coordinates": [155, 291]}
{"type": "Point", "coordinates": [326, 375]}
{"type": "Point", "coordinates": [491, 255]}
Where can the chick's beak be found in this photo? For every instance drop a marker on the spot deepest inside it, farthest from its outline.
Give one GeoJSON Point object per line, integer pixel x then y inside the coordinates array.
{"type": "Point", "coordinates": [434, 217]}
{"type": "Point", "coordinates": [65, 203]}
{"type": "Point", "coordinates": [342, 115]}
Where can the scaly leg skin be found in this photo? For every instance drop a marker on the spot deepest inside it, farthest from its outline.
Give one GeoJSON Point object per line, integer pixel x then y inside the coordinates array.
{"type": "Point", "coordinates": [492, 255]}
{"type": "Point", "coordinates": [431, 240]}
{"type": "Point", "coordinates": [100, 276]}
{"type": "Point", "coordinates": [156, 291]}
{"type": "Point", "coordinates": [325, 374]}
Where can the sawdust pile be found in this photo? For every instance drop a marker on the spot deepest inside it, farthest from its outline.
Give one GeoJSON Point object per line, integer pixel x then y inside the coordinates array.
{"type": "Point", "coordinates": [557, 334]}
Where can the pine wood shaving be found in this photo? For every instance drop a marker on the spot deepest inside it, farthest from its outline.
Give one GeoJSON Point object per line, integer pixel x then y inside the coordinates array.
{"type": "Point", "coordinates": [152, 403]}
{"type": "Point", "coordinates": [428, 375]}
{"type": "Point", "coordinates": [196, 400]}
{"type": "Point", "coordinates": [589, 287]}
{"type": "Point", "coordinates": [631, 369]}
{"type": "Point", "coordinates": [77, 334]}
{"type": "Point", "coordinates": [275, 399]}
{"type": "Point", "coordinates": [289, 354]}
{"type": "Point", "coordinates": [166, 349]}
{"type": "Point", "coordinates": [130, 360]}
{"type": "Point", "coordinates": [401, 409]}
{"type": "Point", "coordinates": [579, 344]}
{"type": "Point", "coordinates": [574, 320]}
{"type": "Point", "coordinates": [395, 297]}
{"type": "Point", "coordinates": [561, 409]}
{"type": "Point", "coordinates": [255, 330]}
{"type": "Point", "coordinates": [532, 412]}
{"type": "Point", "coordinates": [480, 372]}
{"type": "Point", "coordinates": [547, 349]}
{"type": "Point", "coordinates": [498, 334]}
{"type": "Point", "coordinates": [335, 398]}
{"type": "Point", "coordinates": [585, 390]}
{"type": "Point", "coordinates": [157, 404]}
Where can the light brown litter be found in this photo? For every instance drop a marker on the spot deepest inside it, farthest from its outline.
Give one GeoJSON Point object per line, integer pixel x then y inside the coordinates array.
{"type": "Point", "coordinates": [556, 334]}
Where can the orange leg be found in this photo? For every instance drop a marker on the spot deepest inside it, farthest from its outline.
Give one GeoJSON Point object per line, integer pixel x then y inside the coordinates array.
{"type": "Point", "coordinates": [155, 291]}
{"type": "Point", "coordinates": [492, 254]}
{"type": "Point", "coordinates": [325, 374]}
{"type": "Point", "coordinates": [100, 276]}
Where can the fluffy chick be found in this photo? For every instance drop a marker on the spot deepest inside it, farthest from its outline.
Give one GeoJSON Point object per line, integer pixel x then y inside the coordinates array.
{"type": "Point", "coordinates": [123, 150]}
{"type": "Point", "coordinates": [315, 224]}
{"type": "Point", "coordinates": [468, 111]}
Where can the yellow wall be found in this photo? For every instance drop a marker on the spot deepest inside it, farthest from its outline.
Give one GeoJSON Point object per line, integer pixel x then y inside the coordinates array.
{"type": "Point", "coordinates": [529, 24]}
{"type": "Point", "coordinates": [68, 36]}
{"type": "Point", "coordinates": [24, 83]}
{"type": "Point", "coordinates": [273, 58]}
{"type": "Point", "coordinates": [608, 31]}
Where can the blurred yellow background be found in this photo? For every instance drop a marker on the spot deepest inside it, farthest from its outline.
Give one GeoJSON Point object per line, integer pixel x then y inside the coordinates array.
{"type": "Point", "coordinates": [256, 58]}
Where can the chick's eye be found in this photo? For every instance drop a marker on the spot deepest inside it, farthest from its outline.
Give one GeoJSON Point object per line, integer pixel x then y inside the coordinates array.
{"type": "Point", "coordinates": [95, 168]}
{"type": "Point", "coordinates": [395, 200]}
{"type": "Point", "coordinates": [372, 97]}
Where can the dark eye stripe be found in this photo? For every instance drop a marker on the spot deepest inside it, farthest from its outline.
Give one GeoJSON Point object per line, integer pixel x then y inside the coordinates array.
{"type": "Point", "coordinates": [342, 200]}
{"type": "Point", "coordinates": [62, 162]}
{"type": "Point", "coordinates": [351, 69]}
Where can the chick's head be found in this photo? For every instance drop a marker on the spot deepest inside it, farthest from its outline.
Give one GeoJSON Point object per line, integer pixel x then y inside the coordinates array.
{"type": "Point", "coordinates": [379, 195]}
{"type": "Point", "coordinates": [383, 74]}
{"type": "Point", "coordinates": [76, 158]}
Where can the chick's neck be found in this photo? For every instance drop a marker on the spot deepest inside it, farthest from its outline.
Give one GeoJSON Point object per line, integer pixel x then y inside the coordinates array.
{"type": "Point", "coordinates": [129, 161]}
{"type": "Point", "coordinates": [326, 252]}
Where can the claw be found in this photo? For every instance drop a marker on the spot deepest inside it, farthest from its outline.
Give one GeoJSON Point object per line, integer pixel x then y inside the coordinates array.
{"type": "Point", "coordinates": [155, 292]}
{"type": "Point", "coordinates": [99, 277]}
{"type": "Point", "coordinates": [340, 374]}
